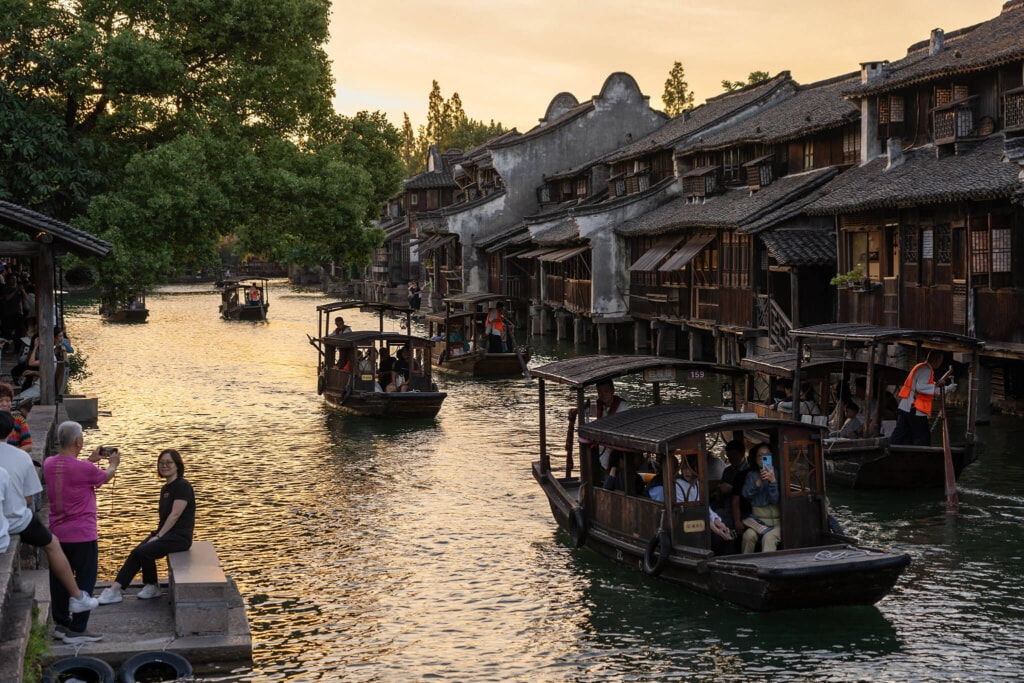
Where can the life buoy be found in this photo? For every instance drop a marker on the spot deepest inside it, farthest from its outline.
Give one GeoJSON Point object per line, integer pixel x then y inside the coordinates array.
{"type": "Point", "coordinates": [658, 550]}
{"type": "Point", "coordinates": [152, 666]}
{"type": "Point", "coordinates": [84, 668]}
{"type": "Point", "coordinates": [321, 384]}
{"type": "Point", "coordinates": [577, 527]}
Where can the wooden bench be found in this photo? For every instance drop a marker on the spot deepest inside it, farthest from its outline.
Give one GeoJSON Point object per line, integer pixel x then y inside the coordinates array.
{"type": "Point", "coordinates": [199, 591]}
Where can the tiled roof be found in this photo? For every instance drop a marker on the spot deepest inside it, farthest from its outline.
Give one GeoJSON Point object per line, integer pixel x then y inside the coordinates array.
{"type": "Point", "coordinates": [481, 150]}
{"type": "Point", "coordinates": [542, 129]}
{"type": "Point", "coordinates": [428, 180]}
{"type": "Point", "coordinates": [32, 222]}
{"type": "Point", "coordinates": [814, 107]}
{"type": "Point", "coordinates": [504, 235]}
{"type": "Point", "coordinates": [707, 114]}
{"type": "Point", "coordinates": [801, 247]}
{"type": "Point", "coordinates": [922, 178]}
{"type": "Point", "coordinates": [997, 41]}
{"type": "Point", "coordinates": [733, 208]}
{"type": "Point", "coordinates": [563, 231]}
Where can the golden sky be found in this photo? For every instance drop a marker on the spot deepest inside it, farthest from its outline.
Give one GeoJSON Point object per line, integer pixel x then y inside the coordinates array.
{"type": "Point", "coordinates": [508, 59]}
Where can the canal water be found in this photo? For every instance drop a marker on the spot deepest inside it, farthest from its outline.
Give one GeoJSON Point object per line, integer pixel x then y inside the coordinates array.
{"type": "Point", "coordinates": [373, 550]}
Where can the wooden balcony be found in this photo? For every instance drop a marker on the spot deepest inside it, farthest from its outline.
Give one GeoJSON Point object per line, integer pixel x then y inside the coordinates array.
{"type": "Point", "coordinates": [1013, 109]}
{"type": "Point", "coordinates": [555, 294]}
{"type": "Point", "coordinates": [955, 121]}
{"type": "Point", "coordinates": [577, 295]}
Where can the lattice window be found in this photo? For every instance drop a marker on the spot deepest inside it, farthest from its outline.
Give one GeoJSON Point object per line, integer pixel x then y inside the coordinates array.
{"type": "Point", "coordinates": [802, 469]}
{"type": "Point", "coordinates": [1001, 250]}
{"type": "Point", "coordinates": [943, 96]}
{"type": "Point", "coordinates": [979, 251]}
{"type": "Point", "coordinates": [544, 194]}
{"type": "Point", "coordinates": [620, 188]}
{"type": "Point", "coordinates": [943, 244]}
{"type": "Point", "coordinates": [1014, 112]}
{"type": "Point", "coordinates": [731, 165]}
{"type": "Point", "coordinates": [883, 110]}
{"type": "Point", "coordinates": [896, 109]}
{"type": "Point", "coordinates": [908, 246]}
{"type": "Point", "coordinates": [960, 92]}
{"type": "Point", "coordinates": [851, 143]}
{"type": "Point", "coordinates": [764, 172]}
{"type": "Point", "coordinates": [581, 187]}
{"type": "Point", "coordinates": [644, 181]}
{"type": "Point", "coordinates": [808, 154]}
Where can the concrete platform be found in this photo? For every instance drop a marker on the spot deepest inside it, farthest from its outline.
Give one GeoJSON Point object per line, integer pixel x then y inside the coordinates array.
{"type": "Point", "coordinates": [134, 626]}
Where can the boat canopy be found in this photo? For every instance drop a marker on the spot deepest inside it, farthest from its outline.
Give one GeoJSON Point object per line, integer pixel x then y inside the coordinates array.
{"type": "Point", "coordinates": [653, 429]}
{"type": "Point", "coordinates": [364, 336]}
{"type": "Point", "coordinates": [783, 364]}
{"type": "Point", "coordinates": [474, 298]}
{"type": "Point", "coordinates": [585, 370]}
{"type": "Point", "coordinates": [364, 306]}
{"type": "Point", "coordinates": [869, 335]}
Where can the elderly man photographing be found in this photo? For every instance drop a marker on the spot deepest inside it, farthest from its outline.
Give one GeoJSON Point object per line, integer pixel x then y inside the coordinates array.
{"type": "Point", "coordinates": [916, 402]}
{"type": "Point", "coordinates": [71, 486]}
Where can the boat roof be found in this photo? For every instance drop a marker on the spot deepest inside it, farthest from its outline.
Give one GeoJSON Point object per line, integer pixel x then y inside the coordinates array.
{"type": "Point", "coordinates": [353, 338]}
{"type": "Point", "coordinates": [871, 334]}
{"type": "Point", "coordinates": [474, 297]}
{"type": "Point", "coordinates": [365, 306]}
{"type": "Point", "coordinates": [783, 363]}
{"type": "Point", "coordinates": [584, 370]}
{"type": "Point", "coordinates": [243, 282]}
{"type": "Point", "coordinates": [653, 428]}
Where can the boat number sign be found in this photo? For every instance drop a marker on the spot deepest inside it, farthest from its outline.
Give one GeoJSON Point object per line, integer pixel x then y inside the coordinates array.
{"type": "Point", "coordinates": [659, 374]}
{"type": "Point", "coordinates": [697, 374]}
{"type": "Point", "coordinates": [692, 526]}
{"type": "Point", "coordinates": [366, 378]}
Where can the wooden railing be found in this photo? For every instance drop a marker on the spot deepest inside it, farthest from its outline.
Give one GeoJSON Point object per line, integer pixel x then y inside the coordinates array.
{"type": "Point", "coordinates": [954, 121]}
{"type": "Point", "coordinates": [577, 295]}
{"type": "Point", "coordinates": [556, 289]}
{"type": "Point", "coordinates": [770, 316]}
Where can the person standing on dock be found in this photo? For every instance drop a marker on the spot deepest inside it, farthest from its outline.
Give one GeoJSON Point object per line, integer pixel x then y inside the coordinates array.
{"type": "Point", "coordinates": [916, 403]}
{"type": "Point", "coordinates": [495, 328]}
{"type": "Point", "coordinates": [71, 487]}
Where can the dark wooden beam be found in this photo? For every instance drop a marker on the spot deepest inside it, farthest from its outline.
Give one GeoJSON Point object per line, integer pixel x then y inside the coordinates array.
{"type": "Point", "coordinates": [19, 249]}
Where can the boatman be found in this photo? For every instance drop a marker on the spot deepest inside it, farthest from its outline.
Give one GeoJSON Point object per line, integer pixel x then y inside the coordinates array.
{"type": "Point", "coordinates": [608, 403]}
{"type": "Point", "coordinates": [254, 294]}
{"type": "Point", "coordinates": [916, 403]}
{"type": "Point", "coordinates": [495, 327]}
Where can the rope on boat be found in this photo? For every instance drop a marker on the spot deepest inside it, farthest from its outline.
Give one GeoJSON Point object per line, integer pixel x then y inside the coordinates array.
{"type": "Point", "coordinates": [845, 554]}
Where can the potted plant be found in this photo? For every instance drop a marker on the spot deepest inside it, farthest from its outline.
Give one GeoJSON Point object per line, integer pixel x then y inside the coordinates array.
{"type": "Point", "coordinates": [851, 279]}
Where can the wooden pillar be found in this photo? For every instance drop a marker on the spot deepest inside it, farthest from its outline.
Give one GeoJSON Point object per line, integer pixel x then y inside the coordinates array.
{"type": "Point", "coordinates": [972, 395]}
{"type": "Point", "coordinates": [602, 337]}
{"type": "Point", "coordinates": [545, 459]}
{"type": "Point", "coordinates": [794, 298]}
{"type": "Point", "coordinates": [867, 395]}
{"type": "Point", "coordinates": [579, 330]}
{"type": "Point", "coordinates": [796, 378]}
{"type": "Point", "coordinates": [641, 330]}
{"type": "Point", "coordinates": [45, 315]}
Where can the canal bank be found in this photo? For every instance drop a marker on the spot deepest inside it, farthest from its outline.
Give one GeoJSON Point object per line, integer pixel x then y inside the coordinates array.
{"type": "Point", "coordinates": [370, 550]}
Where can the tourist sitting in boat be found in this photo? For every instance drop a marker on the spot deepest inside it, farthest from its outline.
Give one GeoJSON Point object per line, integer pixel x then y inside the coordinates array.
{"type": "Point", "coordinates": [853, 426]}
{"type": "Point", "coordinates": [608, 403]}
{"type": "Point", "coordinates": [390, 382]}
{"type": "Point", "coordinates": [365, 362]}
{"type": "Point", "coordinates": [783, 392]}
{"type": "Point", "coordinates": [807, 404]}
{"type": "Point", "coordinates": [762, 490]}
{"type": "Point", "coordinates": [688, 491]}
{"type": "Point", "coordinates": [615, 480]}
{"type": "Point", "coordinates": [340, 327]}
{"type": "Point", "coordinates": [725, 498]}
{"type": "Point", "coordinates": [386, 363]}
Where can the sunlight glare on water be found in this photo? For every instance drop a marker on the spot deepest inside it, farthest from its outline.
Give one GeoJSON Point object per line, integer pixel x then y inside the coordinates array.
{"type": "Point", "coordinates": [372, 550]}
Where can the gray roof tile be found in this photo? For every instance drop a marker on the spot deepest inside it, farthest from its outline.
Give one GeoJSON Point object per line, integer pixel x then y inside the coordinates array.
{"type": "Point", "coordinates": [801, 247]}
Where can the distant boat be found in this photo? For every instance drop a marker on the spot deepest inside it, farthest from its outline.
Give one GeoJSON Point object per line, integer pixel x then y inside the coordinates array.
{"type": "Point", "coordinates": [246, 299]}
{"type": "Point", "coordinates": [134, 311]}
{"type": "Point", "coordinates": [457, 332]}
{"type": "Point", "coordinates": [347, 370]}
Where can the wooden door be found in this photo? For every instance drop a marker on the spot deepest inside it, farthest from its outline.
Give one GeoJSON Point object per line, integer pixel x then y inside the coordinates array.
{"type": "Point", "coordinates": [801, 490]}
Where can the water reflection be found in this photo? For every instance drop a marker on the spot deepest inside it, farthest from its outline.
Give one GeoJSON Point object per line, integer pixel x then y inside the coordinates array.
{"type": "Point", "coordinates": [377, 550]}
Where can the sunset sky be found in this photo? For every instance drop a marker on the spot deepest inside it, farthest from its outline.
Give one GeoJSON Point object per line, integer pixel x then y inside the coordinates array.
{"type": "Point", "coordinates": [508, 59]}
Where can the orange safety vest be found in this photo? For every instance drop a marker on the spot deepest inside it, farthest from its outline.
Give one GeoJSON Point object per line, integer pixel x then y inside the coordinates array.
{"type": "Point", "coordinates": [497, 325]}
{"type": "Point", "coordinates": [254, 293]}
{"type": "Point", "coordinates": [922, 402]}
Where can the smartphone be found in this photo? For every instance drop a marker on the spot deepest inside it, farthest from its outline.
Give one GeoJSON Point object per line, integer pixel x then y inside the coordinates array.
{"type": "Point", "coordinates": [105, 451]}
{"type": "Point", "coordinates": [766, 463]}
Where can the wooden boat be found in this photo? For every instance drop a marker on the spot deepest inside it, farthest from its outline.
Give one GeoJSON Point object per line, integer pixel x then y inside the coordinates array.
{"type": "Point", "coordinates": [872, 461]}
{"type": "Point", "coordinates": [460, 346]}
{"type": "Point", "coordinates": [815, 567]}
{"type": "Point", "coordinates": [134, 311]}
{"type": "Point", "coordinates": [346, 375]}
{"type": "Point", "coordinates": [246, 299]}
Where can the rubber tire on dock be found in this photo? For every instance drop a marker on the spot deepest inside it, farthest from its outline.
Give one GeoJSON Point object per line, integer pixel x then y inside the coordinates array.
{"type": "Point", "coordinates": [656, 556]}
{"type": "Point", "coordinates": [577, 527]}
{"type": "Point", "coordinates": [84, 668]}
{"type": "Point", "coordinates": [149, 663]}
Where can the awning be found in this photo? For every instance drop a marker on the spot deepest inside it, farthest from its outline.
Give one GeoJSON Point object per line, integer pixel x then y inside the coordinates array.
{"type": "Point", "coordinates": [562, 254]}
{"type": "Point", "coordinates": [435, 242]}
{"type": "Point", "coordinates": [688, 251]}
{"type": "Point", "coordinates": [652, 258]}
{"type": "Point", "coordinates": [533, 253]}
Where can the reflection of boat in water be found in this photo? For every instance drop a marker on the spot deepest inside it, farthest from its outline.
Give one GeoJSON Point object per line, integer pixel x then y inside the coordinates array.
{"type": "Point", "coordinates": [813, 566]}
{"type": "Point", "coordinates": [244, 299]}
{"type": "Point", "coordinates": [134, 311]}
{"type": "Point", "coordinates": [458, 333]}
{"type": "Point", "coordinates": [870, 461]}
{"type": "Point", "coordinates": [350, 365]}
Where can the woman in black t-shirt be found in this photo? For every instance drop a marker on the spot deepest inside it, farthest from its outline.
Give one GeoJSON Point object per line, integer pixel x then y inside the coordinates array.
{"type": "Point", "coordinates": [177, 520]}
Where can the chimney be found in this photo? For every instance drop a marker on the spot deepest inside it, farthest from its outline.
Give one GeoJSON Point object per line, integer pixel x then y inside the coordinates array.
{"type": "Point", "coordinates": [869, 71]}
{"type": "Point", "coordinates": [894, 151]}
{"type": "Point", "coordinates": [935, 45]}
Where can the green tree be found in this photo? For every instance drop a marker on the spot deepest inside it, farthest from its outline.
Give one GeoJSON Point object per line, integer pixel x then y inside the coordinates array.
{"type": "Point", "coordinates": [677, 96]}
{"type": "Point", "coordinates": [408, 145]}
{"type": "Point", "coordinates": [754, 77]}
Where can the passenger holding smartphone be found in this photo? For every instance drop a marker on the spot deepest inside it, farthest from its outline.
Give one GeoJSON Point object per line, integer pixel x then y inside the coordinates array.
{"type": "Point", "coordinates": [762, 490]}
{"type": "Point", "coordinates": [177, 519]}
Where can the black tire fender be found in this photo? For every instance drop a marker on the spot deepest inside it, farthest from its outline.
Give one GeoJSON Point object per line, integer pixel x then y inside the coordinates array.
{"type": "Point", "coordinates": [86, 668]}
{"type": "Point", "coordinates": [169, 665]}
{"type": "Point", "coordinates": [321, 384]}
{"type": "Point", "coordinates": [656, 556]}
{"type": "Point", "coordinates": [577, 527]}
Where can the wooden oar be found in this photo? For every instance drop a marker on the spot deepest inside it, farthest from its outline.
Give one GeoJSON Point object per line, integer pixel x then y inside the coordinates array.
{"type": "Point", "coordinates": [952, 501]}
{"type": "Point", "coordinates": [569, 439]}
{"type": "Point", "coordinates": [515, 347]}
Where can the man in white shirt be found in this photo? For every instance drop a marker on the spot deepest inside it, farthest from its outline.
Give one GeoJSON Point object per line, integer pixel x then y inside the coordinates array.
{"type": "Point", "coordinates": [916, 403]}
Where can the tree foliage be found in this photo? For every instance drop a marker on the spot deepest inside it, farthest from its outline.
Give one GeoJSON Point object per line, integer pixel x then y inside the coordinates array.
{"type": "Point", "coordinates": [677, 96]}
{"type": "Point", "coordinates": [164, 125]}
{"type": "Point", "coordinates": [754, 77]}
{"type": "Point", "coordinates": [448, 127]}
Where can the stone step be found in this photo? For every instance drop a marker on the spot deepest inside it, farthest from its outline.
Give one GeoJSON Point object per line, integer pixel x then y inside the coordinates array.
{"type": "Point", "coordinates": [14, 634]}
{"type": "Point", "coordinates": [10, 570]}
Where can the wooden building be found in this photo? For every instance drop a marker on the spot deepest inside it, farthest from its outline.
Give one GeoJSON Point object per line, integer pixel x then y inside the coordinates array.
{"type": "Point", "coordinates": [930, 222]}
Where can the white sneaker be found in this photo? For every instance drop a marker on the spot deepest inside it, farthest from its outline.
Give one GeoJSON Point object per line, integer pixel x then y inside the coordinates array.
{"type": "Point", "coordinates": [83, 603]}
{"type": "Point", "coordinates": [149, 591]}
{"type": "Point", "coordinates": [109, 596]}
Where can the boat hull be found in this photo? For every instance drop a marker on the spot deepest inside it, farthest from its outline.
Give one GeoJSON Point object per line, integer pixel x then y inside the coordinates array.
{"type": "Point", "coordinates": [883, 466]}
{"type": "Point", "coordinates": [399, 405]}
{"type": "Point", "coordinates": [125, 316]}
{"type": "Point", "coordinates": [791, 579]}
{"type": "Point", "coordinates": [245, 313]}
{"type": "Point", "coordinates": [484, 365]}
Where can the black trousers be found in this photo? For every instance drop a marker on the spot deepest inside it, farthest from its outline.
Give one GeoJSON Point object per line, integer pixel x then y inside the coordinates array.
{"type": "Point", "coordinates": [911, 429]}
{"type": "Point", "coordinates": [145, 555]}
{"type": "Point", "coordinates": [83, 558]}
